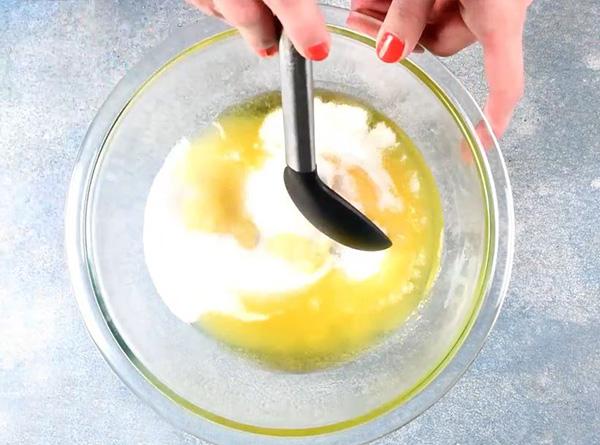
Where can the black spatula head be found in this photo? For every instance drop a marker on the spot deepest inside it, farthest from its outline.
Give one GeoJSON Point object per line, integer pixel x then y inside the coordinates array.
{"type": "Point", "coordinates": [332, 214]}
{"type": "Point", "coordinates": [321, 206]}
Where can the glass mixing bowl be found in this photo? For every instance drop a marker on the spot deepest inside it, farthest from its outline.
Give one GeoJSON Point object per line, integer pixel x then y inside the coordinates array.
{"type": "Point", "coordinates": [195, 382]}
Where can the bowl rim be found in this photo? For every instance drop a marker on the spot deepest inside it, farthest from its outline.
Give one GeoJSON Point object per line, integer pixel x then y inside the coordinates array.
{"type": "Point", "coordinates": [494, 277]}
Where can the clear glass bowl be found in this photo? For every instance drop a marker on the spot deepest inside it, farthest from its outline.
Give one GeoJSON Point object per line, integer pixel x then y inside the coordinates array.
{"type": "Point", "coordinates": [193, 381]}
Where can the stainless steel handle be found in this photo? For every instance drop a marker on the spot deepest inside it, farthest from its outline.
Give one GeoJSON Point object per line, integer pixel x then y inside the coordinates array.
{"type": "Point", "coordinates": [297, 105]}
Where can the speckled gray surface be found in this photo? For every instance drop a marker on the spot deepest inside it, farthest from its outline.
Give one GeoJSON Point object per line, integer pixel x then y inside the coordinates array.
{"type": "Point", "coordinates": [537, 379]}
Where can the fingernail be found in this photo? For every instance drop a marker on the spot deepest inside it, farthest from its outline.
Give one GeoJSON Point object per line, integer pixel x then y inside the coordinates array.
{"type": "Point", "coordinates": [267, 52]}
{"type": "Point", "coordinates": [390, 48]}
{"type": "Point", "coordinates": [318, 52]}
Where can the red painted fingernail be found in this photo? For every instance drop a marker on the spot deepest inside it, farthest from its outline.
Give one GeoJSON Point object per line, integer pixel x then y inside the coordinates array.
{"type": "Point", "coordinates": [318, 52]}
{"type": "Point", "coordinates": [390, 48]}
{"type": "Point", "coordinates": [267, 52]}
{"type": "Point", "coordinates": [272, 51]}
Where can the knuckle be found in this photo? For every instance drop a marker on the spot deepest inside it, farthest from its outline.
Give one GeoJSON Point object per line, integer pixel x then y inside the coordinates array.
{"type": "Point", "coordinates": [411, 14]}
{"type": "Point", "coordinates": [248, 16]}
{"type": "Point", "coordinates": [442, 50]}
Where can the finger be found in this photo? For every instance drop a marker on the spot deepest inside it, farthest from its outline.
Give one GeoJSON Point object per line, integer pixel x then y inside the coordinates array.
{"type": "Point", "coordinates": [503, 62]}
{"type": "Point", "coordinates": [367, 16]}
{"type": "Point", "coordinates": [448, 36]}
{"type": "Point", "coordinates": [362, 23]}
{"type": "Point", "coordinates": [304, 24]}
{"type": "Point", "coordinates": [376, 9]}
{"type": "Point", "coordinates": [486, 138]}
{"type": "Point", "coordinates": [206, 6]}
{"type": "Point", "coordinates": [402, 28]}
{"type": "Point", "coordinates": [254, 21]}
{"type": "Point", "coordinates": [369, 25]}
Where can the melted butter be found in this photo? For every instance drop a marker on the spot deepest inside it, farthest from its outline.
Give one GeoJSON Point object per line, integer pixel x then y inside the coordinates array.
{"type": "Point", "coordinates": [335, 317]}
{"type": "Point", "coordinates": [215, 173]}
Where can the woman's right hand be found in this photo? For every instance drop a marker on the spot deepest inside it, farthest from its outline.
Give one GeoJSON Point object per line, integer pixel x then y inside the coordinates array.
{"type": "Point", "coordinates": [445, 27]}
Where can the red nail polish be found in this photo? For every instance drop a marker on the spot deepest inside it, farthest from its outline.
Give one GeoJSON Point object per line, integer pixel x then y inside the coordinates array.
{"type": "Point", "coordinates": [390, 48]}
{"type": "Point", "coordinates": [318, 52]}
{"type": "Point", "coordinates": [267, 52]}
{"type": "Point", "coordinates": [272, 51]}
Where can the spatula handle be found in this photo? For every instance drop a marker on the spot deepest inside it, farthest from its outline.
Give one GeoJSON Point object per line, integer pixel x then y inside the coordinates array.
{"type": "Point", "coordinates": [297, 104]}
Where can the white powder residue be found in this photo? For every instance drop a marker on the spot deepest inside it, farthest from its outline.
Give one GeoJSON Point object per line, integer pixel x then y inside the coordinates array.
{"type": "Point", "coordinates": [592, 61]}
{"type": "Point", "coordinates": [196, 272]}
{"type": "Point", "coordinates": [596, 184]}
{"type": "Point", "coordinates": [414, 184]}
{"type": "Point", "coordinates": [359, 265]}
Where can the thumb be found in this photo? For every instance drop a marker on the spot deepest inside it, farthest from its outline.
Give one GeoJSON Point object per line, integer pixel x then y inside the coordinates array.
{"type": "Point", "coordinates": [402, 28]}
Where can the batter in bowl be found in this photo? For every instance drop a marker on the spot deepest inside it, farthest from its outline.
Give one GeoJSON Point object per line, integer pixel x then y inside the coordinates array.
{"type": "Point", "coordinates": [228, 251]}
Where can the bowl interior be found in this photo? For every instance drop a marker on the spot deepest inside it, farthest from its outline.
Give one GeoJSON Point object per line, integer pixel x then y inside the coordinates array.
{"type": "Point", "coordinates": [181, 99]}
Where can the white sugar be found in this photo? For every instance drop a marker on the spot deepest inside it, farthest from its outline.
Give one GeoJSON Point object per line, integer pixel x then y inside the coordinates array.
{"type": "Point", "coordinates": [196, 272]}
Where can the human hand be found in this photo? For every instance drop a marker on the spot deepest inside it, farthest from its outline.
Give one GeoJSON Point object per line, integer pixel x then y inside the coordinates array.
{"type": "Point", "coordinates": [445, 27]}
{"type": "Point", "coordinates": [255, 20]}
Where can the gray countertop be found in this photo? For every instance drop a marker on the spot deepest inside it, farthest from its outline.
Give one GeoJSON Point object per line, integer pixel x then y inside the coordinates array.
{"type": "Point", "coordinates": [537, 379]}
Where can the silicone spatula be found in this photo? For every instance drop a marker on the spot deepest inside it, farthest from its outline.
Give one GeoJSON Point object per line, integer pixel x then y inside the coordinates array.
{"type": "Point", "coordinates": [320, 205]}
